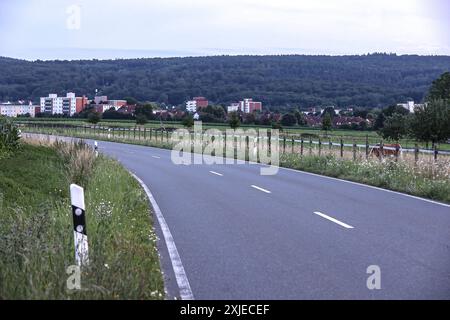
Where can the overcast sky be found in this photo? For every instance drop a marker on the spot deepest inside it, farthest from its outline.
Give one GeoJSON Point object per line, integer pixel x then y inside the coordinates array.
{"type": "Point", "coordinates": [50, 29]}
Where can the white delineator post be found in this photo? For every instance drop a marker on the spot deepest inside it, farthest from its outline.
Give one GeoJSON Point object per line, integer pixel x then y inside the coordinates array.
{"type": "Point", "coordinates": [79, 225]}
{"type": "Point", "coordinates": [96, 148]}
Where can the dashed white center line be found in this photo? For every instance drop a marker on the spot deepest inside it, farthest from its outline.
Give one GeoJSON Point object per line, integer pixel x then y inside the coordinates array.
{"type": "Point", "coordinates": [156, 157]}
{"type": "Point", "coordinates": [347, 226]}
{"type": "Point", "coordinates": [216, 173]}
{"type": "Point", "coordinates": [261, 189]}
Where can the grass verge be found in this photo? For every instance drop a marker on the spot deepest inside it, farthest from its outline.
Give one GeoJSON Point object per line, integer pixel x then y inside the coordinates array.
{"type": "Point", "coordinates": [427, 180]}
{"type": "Point", "coordinates": [36, 230]}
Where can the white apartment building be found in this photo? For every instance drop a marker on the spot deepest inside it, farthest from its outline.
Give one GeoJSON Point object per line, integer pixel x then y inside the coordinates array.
{"type": "Point", "coordinates": [234, 107]}
{"type": "Point", "coordinates": [196, 103]}
{"type": "Point", "coordinates": [191, 106]}
{"type": "Point", "coordinates": [59, 105]}
{"type": "Point", "coordinates": [14, 110]}
{"type": "Point", "coordinates": [411, 106]}
{"type": "Point", "coordinates": [246, 106]}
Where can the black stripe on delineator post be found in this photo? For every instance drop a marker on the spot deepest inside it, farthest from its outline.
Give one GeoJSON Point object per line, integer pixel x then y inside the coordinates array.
{"type": "Point", "coordinates": [79, 220]}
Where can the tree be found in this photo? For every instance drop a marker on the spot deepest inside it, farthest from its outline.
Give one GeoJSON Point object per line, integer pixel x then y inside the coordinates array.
{"type": "Point", "coordinates": [9, 136]}
{"type": "Point", "coordinates": [391, 110]}
{"type": "Point", "coordinates": [440, 89]}
{"type": "Point", "coordinates": [141, 119]}
{"type": "Point", "coordinates": [131, 100]}
{"type": "Point", "coordinates": [250, 118]}
{"type": "Point", "coordinates": [288, 120]}
{"type": "Point", "coordinates": [234, 120]}
{"type": "Point", "coordinates": [113, 114]}
{"type": "Point", "coordinates": [432, 122]}
{"type": "Point", "coordinates": [212, 114]}
{"type": "Point", "coordinates": [326, 122]}
{"type": "Point", "coordinates": [330, 111]}
{"type": "Point", "coordinates": [146, 110]}
{"type": "Point", "coordinates": [365, 81]}
{"type": "Point", "coordinates": [277, 126]}
{"type": "Point", "coordinates": [94, 117]}
{"type": "Point", "coordinates": [188, 121]}
{"type": "Point", "coordinates": [395, 127]}
{"type": "Point", "coordinates": [301, 120]}
{"type": "Point", "coordinates": [379, 122]}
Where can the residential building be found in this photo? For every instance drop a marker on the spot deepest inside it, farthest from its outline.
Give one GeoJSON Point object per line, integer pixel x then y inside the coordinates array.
{"type": "Point", "coordinates": [117, 103]}
{"type": "Point", "coordinates": [246, 106]}
{"type": "Point", "coordinates": [60, 105]}
{"type": "Point", "coordinates": [68, 105]}
{"type": "Point", "coordinates": [411, 106]}
{"type": "Point", "coordinates": [14, 110]}
{"type": "Point", "coordinates": [81, 103]}
{"type": "Point", "coordinates": [100, 99]}
{"type": "Point", "coordinates": [100, 108]}
{"type": "Point", "coordinates": [234, 107]}
{"type": "Point", "coordinates": [127, 109]}
{"type": "Point", "coordinates": [196, 104]}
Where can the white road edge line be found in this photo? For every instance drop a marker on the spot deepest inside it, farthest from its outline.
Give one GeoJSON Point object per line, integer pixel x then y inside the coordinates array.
{"type": "Point", "coordinates": [216, 173]}
{"type": "Point", "coordinates": [180, 273]}
{"type": "Point", "coordinates": [261, 189]}
{"type": "Point", "coordinates": [156, 157]}
{"type": "Point", "coordinates": [347, 226]}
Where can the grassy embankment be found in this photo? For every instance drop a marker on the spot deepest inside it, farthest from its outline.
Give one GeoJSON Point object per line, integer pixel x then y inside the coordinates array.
{"type": "Point", "coordinates": [36, 227]}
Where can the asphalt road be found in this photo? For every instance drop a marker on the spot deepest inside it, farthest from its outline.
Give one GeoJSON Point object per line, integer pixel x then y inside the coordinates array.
{"type": "Point", "coordinates": [294, 235]}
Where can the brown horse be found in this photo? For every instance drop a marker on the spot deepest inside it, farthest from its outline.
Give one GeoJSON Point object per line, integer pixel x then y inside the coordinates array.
{"type": "Point", "coordinates": [394, 150]}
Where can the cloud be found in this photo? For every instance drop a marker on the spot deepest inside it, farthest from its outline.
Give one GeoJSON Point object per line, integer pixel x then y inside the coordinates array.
{"type": "Point", "coordinates": [224, 26]}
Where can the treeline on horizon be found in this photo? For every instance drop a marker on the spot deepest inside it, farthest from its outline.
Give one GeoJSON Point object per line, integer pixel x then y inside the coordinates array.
{"type": "Point", "coordinates": [280, 82]}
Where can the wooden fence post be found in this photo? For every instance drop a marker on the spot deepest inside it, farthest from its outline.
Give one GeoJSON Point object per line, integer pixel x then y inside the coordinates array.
{"type": "Point", "coordinates": [320, 147]}
{"type": "Point", "coordinates": [367, 146]}
{"type": "Point", "coordinates": [354, 150]}
{"type": "Point", "coordinates": [397, 152]}
{"type": "Point", "coordinates": [292, 151]}
{"type": "Point", "coordinates": [342, 147]}
{"type": "Point", "coordinates": [381, 150]}
{"type": "Point", "coordinates": [301, 146]}
{"type": "Point", "coordinates": [269, 137]}
{"type": "Point", "coordinates": [247, 148]}
{"type": "Point", "coordinates": [416, 153]}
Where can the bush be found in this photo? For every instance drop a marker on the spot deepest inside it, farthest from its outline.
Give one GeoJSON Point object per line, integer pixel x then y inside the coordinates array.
{"type": "Point", "coordinates": [141, 119]}
{"type": "Point", "coordinates": [94, 117]}
{"type": "Point", "coordinates": [9, 137]}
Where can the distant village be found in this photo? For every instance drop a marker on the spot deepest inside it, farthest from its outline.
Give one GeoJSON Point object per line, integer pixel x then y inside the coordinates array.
{"type": "Point", "coordinates": [198, 108]}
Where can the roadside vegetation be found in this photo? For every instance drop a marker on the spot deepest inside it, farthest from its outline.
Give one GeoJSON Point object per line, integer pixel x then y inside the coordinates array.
{"type": "Point", "coordinates": [426, 178]}
{"type": "Point", "coordinates": [36, 230]}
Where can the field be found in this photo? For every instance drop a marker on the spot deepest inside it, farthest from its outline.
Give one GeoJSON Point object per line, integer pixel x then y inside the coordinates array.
{"type": "Point", "coordinates": [36, 229]}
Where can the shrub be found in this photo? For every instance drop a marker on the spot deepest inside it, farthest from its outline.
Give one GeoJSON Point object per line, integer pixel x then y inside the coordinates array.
{"type": "Point", "coordinates": [94, 117]}
{"type": "Point", "coordinates": [141, 119]}
{"type": "Point", "coordinates": [9, 137]}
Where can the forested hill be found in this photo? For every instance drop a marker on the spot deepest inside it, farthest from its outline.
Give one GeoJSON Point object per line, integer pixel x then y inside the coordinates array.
{"type": "Point", "coordinates": [369, 80]}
